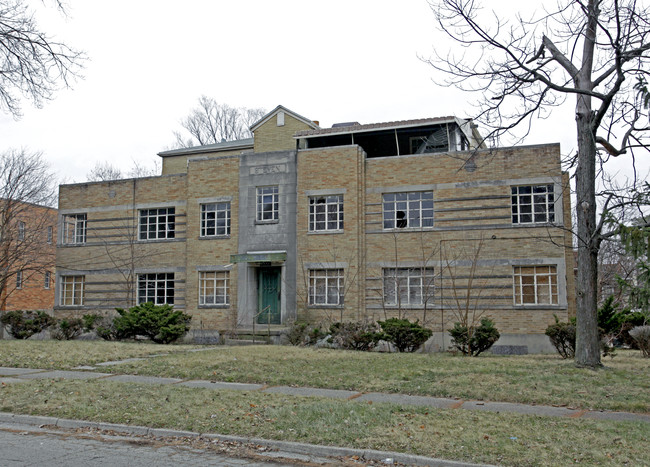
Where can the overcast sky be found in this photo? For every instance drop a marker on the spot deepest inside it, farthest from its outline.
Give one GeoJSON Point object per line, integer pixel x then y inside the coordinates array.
{"type": "Point", "coordinates": [333, 61]}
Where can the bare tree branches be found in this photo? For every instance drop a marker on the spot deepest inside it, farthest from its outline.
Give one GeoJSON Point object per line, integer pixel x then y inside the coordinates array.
{"type": "Point", "coordinates": [32, 64]}
{"type": "Point", "coordinates": [595, 50]}
{"type": "Point", "coordinates": [26, 189]}
{"type": "Point", "coordinates": [212, 122]}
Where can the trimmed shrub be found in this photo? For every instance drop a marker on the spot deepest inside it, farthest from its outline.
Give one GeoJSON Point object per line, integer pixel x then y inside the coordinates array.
{"type": "Point", "coordinates": [105, 329]}
{"type": "Point", "coordinates": [563, 338]}
{"type": "Point", "coordinates": [161, 323]}
{"type": "Point", "coordinates": [404, 335]}
{"type": "Point", "coordinates": [68, 329]}
{"type": "Point", "coordinates": [361, 335]}
{"type": "Point", "coordinates": [474, 340]}
{"type": "Point", "coordinates": [24, 324]}
{"type": "Point", "coordinates": [641, 335]}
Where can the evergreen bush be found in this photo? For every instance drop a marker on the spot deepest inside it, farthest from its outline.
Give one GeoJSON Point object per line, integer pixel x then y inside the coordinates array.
{"type": "Point", "coordinates": [67, 329]}
{"type": "Point", "coordinates": [563, 338]}
{"type": "Point", "coordinates": [360, 335]}
{"type": "Point", "coordinates": [473, 340]}
{"type": "Point", "coordinates": [161, 323]}
{"type": "Point", "coordinates": [404, 335]}
{"type": "Point", "coordinates": [24, 324]}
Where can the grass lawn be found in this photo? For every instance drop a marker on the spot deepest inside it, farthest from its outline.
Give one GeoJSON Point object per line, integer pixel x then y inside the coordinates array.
{"type": "Point", "coordinates": [504, 439]}
{"type": "Point", "coordinates": [624, 383]}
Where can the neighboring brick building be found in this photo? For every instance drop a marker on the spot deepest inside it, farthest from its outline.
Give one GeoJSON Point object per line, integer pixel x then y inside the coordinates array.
{"type": "Point", "coordinates": [352, 222]}
{"type": "Point", "coordinates": [28, 250]}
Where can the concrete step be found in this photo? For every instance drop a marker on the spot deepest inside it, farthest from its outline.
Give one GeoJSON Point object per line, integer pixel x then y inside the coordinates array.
{"type": "Point", "coordinates": [257, 341]}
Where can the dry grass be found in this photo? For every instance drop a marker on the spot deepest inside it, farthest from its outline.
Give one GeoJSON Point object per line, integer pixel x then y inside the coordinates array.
{"type": "Point", "coordinates": [504, 439]}
{"type": "Point", "coordinates": [538, 379]}
{"type": "Point", "coordinates": [61, 355]}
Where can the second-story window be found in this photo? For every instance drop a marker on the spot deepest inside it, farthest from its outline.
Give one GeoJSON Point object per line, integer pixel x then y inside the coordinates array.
{"type": "Point", "coordinates": [74, 228]}
{"type": "Point", "coordinates": [21, 230]}
{"type": "Point", "coordinates": [267, 203]}
{"type": "Point", "coordinates": [215, 219]}
{"type": "Point", "coordinates": [533, 204]}
{"type": "Point", "coordinates": [50, 232]}
{"type": "Point", "coordinates": [157, 224]}
{"type": "Point", "coordinates": [325, 213]}
{"type": "Point", "coordinates": [408, 210]}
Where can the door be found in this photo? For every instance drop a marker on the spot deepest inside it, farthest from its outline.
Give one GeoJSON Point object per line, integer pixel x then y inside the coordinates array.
{"type": "Point", "coordinates": [268, 295]}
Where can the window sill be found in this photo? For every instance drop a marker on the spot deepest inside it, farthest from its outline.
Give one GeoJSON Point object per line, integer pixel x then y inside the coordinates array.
{"type": "Point", "coordinates": [325, 232]}
{"type": "Point", "coordinates": [409, 229]}
{"type": "Point", "coordinates": [273, 221]}
{"type": "Point", "coordinates": [533, 306]}
{"type": "Point", "coordinates": [394, 306]}
{"type": "Point", "coordinates": [207, 307]}
{"type": "Point", "coordinates": [325, 306]}
{"type": "Point", "coordinates": [214, 237]}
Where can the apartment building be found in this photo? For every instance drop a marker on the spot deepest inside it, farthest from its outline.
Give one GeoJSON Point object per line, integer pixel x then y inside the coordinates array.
{"type": "Point", "coordinates": [414, 218]}
{"type": "Point", "coordinates": [27, 256]}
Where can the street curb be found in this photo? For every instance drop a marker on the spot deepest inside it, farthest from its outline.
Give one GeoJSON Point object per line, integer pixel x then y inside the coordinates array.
{"type": "Point", "coordinates": [284, 446]}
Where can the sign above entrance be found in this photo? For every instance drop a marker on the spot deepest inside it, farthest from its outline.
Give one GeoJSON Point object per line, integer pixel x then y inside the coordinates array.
{"type": "Point", "coordinates": [258, 257]}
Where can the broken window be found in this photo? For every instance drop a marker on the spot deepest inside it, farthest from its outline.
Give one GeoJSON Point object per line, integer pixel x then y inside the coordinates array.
{"type": "Point", "coordinates": [408, 210]}
{"type": "Point", "coordinates": [533, 204]}
{"type": "Point", "coordinates": [535, 285]}
{"type": "Point", "coordinates": [157, 288]}
{"type": "Point", "coordinates": [436, 141]}
{"type": "Point", "coordinates": [325, 213]}
{"type": "Point", "coordinates": [74, 228]}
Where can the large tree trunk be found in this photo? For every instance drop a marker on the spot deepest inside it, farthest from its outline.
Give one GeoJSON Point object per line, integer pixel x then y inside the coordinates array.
{"type": "Point", "coordinates": [587, 339]}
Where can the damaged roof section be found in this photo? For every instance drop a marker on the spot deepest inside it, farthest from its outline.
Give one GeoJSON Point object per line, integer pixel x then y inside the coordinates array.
{"type": "Point", "coordinates": [422, 136]}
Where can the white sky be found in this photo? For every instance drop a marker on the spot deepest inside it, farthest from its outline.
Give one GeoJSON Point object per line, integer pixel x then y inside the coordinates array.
{"type": "Point", "coordinates": [150, 61]}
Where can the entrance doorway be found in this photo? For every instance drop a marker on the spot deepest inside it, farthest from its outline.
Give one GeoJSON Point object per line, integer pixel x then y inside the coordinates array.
{"type": "Point", "coordinates": [268, 295]}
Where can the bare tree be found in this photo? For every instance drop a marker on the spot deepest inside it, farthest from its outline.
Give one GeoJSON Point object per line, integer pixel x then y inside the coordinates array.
{"type": "Point", "coordinates": [104, 171]}
{"type": "Point", "coordinates": [212, 122]}
{"type": "Point", "coordinates": [31, 63]}
{"type": "Point", "coordinates": [593, 50]}
{"type": "Point", "coordinates": [26, 190]}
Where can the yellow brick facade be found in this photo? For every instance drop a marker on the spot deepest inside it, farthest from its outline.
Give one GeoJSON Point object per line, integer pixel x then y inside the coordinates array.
{"type": "Point", "coordinates": [469, 255]}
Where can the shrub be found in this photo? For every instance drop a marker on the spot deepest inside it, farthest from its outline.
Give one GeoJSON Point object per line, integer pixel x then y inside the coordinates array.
{"type": "Point", "coordinates": [563, 338]}
{"type": "Point", "coordinates": [161, 323]}
{"type": "Point", "coordinates": [67, 329]}
{"type": "Point", "coordinates": [641, 335]}
{"type": "Point", "coordinates": [473, 340]}
{"type": "Point", "coordinates": [105, 329]}
{"type": "Point", "coordinates": [24, 324]}
{"type": "Point", "coordinates": [90, 321]}
{"type": "Point", "coordinates": [301, 333]}
{"type": "Point", "coordinates": [361, 335]}
{"type": "Point", "coordinates": [403, 334]}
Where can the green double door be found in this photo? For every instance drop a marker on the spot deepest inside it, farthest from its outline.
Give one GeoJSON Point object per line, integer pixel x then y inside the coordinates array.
{"type": "Point", "coordinates": [268, 295]}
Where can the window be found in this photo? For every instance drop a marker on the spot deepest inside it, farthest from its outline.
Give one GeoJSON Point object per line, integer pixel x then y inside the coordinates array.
{"type": "Point", "coordinates": [325, 213]}
{"type": "Point", "coordinates": [533, 204]}
{"type": "Point", "coordinates": [47, 279]}
{"type": "Point", "coordinates": [72, 290]}
{"type": "Point", "coordinates": [535, 285]}
{"type": "Point", "coordinates": [50, 231]}
{"type": "Point", "coordinates": [156, 224]}
{"type": "Point", "coordinates": [326, 287]}
{"type": "Point", "coordinates": [74, 228]}
{"type": "Point", "coordinates": [213, 288]}
{"type": "Point", "coordinates": [21, 230]}
{"type": "Point", "coordinates": [267, 203]}
{"type": "Point", "coordinates": [215, 219]}
{"type": "Point", "coordinates": [19, 280]}
{"type": "Point", "coordinates": [157, 288]}
{"type": "Point", "coordinates": [408, 286]}
{"type": "Point", "coordinates": [413, 210]}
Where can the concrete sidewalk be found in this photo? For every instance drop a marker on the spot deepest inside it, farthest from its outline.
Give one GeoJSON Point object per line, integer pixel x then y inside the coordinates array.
{"type": "Point", "coordinates": [16, 375]}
